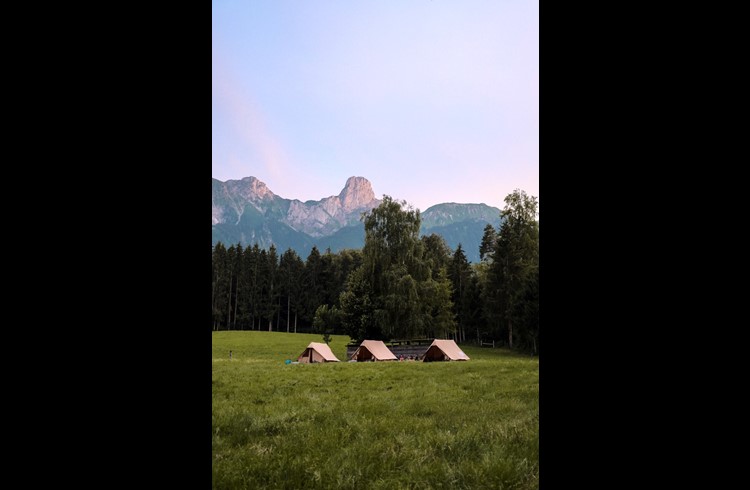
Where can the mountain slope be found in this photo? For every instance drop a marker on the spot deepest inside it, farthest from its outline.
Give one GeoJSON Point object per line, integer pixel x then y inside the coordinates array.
{"type": "Point", "coordinates": [247, 211]}
{"type": "Point", "coordinates": [460, 223]}
{"type": "Point", "coordinates": [451, 212]}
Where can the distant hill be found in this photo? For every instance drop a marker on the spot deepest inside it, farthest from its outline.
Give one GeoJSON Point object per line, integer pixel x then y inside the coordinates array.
{"type": "Point", "coordinates": [246, 211]}
{"type": "Point", "coordinates": [460, 223]}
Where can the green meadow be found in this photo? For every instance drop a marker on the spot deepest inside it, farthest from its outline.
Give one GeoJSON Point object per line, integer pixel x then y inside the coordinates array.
{"type": "Point", "coordinates": [394, 425]}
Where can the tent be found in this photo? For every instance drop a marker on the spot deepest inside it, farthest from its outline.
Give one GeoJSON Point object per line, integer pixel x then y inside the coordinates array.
{"type": "Point", "coordinates": [370, 350]}
{"type": "Point", "coordinates": [317, 352]}
{"type": "Point", "coordinates": [444, 350]}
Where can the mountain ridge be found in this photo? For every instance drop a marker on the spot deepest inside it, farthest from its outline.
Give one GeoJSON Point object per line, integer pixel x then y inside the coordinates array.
{"type": "Point", "coordinates": [247, 211]}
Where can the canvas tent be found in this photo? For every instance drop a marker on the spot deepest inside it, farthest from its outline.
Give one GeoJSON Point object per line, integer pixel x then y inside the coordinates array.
{"type": "Point", "coordinates": [317, 352]}
{"type": "Point", "coordinates": [370, 350]}
{"type": "Point", "coordinates": [444, 350]}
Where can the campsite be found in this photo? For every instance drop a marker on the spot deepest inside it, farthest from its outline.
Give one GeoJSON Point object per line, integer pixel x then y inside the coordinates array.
{"type": "Point", "coordinates": [471, 424]}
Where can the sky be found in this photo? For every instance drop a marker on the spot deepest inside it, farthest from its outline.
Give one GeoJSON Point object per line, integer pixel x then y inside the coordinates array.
{"type": "Point", "coordinates": [431, 100]}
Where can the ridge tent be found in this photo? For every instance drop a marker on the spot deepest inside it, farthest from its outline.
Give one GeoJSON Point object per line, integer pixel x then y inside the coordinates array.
{"type": "Point", "coordinates": [317, 352]}
{"type": "Point", "coordinates": [373, 350]}
{"type": "Point", "coordinates": [444, 350]}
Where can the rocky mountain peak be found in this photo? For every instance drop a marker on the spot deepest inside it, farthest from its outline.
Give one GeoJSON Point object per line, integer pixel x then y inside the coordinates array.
{"type": "Point", "coordinates": [246, 211]}
{"type": "Point", "coordinates": [255, 189]}
{"type": "Point", "coordinates": [357, 193]}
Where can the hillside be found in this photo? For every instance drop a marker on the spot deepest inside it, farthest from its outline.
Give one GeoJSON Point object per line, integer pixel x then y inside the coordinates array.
{"type": "Point", "coordinates": [246, 211]}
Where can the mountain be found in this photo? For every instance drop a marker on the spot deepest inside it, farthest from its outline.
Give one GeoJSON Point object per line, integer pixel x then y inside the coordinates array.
{"type": "Point", "coordinates": [460, 223]}
{"type": "Point", "coordinates": [247, 211]}
{"type": "Point", "coordinates": [450, 212]}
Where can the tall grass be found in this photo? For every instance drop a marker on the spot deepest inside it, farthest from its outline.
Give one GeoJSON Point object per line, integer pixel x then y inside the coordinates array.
{"type": "Point", "coordinates": [408, 425]}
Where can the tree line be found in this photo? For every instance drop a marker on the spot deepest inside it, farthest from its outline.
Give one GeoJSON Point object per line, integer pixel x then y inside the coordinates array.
{"type": "Point", "coordinates": [398, 286]}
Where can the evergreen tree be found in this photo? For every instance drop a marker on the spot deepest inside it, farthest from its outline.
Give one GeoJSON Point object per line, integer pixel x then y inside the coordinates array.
{"type": "Point", "coordinates": [220, 284]}
{"type": "Point", "coordinates": [445, 318]}
{"type": "Point", "coordinates": [267, 286]}
{"type": "Point", "coordinates": [244, 287]}
{"type": "Point", "coordinates": [490, 326]}
{"type": "Point", "coordinates": [527, 314]}
{"type": "Point", "coordinates": [311, 292]}
{"type": "Point", "coordinates": [471, 306]}
{"type": "Point", "coordinates": [272, 301]}
{"type": "Point", "coordinates": [234, 264]}
{"type": "Point", "coordinates": [329, 291]}
{"type": "Point", "coordinates": [291, 269]}
{"type": "Point", "coordinates": [516, 256]}
{"type": "Point", "coordinates": [487, 247]}
{"type": "Point", "coordinates": [256, 281]}
{"type": "Point", "coordinates": [460, 274]}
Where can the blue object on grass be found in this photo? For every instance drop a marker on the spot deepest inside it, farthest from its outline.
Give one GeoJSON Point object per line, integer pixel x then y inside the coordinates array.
{"type": "Point", "coordinates": [288, 361]}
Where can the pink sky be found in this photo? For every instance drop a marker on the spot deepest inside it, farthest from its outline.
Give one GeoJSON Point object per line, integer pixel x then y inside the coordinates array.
{"type": "Point", "coordinates": [432, 101]}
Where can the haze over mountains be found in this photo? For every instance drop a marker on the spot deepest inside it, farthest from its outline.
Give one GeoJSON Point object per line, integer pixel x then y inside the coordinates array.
{"type": "Point", "coordinates": [247, 211]}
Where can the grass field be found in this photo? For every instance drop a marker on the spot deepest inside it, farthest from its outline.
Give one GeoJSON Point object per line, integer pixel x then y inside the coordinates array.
{"type": "Point", "coordinates": [394, 425]}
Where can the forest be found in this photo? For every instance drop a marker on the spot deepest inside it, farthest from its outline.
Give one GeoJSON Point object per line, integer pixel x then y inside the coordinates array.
{"type": "Point", "coordinates": [398, 286]}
